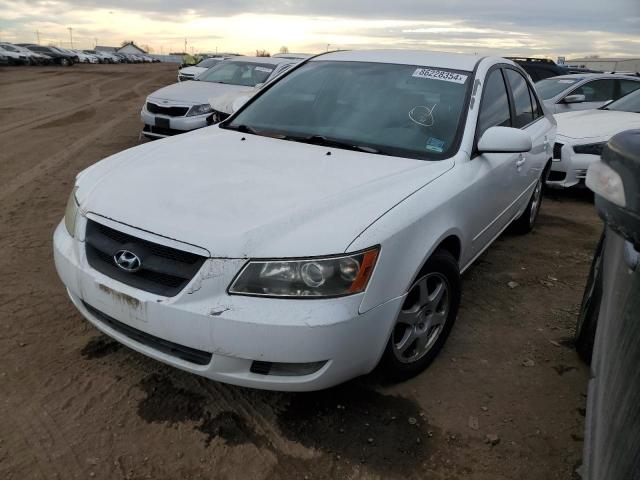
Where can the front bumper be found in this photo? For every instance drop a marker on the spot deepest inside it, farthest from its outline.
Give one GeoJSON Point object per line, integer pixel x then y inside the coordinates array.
{"type": "Point", "coordinates": [237, 331]}
{"type": "Point", "coordinates": [176, 125]}
{"type": "Point", "coordinates": [570, 169]}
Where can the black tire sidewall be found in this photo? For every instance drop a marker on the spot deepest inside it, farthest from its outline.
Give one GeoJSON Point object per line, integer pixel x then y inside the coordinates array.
{"type": "Point", "coordinates": [587, 321]}
{"type": "Point", "coordinates": [444, 263]}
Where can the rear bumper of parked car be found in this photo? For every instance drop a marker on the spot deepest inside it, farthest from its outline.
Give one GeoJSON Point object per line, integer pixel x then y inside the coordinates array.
{"type": "Point", "coordinates": [568, 168]}
{"type": "Point", "coordinates": [278, 344]}
{"type": "Point", "coordinates": [176, 125]}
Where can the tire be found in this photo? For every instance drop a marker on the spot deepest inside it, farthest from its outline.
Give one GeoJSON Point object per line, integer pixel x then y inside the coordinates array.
{"type": "Point", "coordinates": [590, 307]}
{"type": "Point", "coordinates": [525, 222]}
{"type": "Point", "coordinates": [65, 62]}
{"type": "Point", "coordinates": [425, 318]}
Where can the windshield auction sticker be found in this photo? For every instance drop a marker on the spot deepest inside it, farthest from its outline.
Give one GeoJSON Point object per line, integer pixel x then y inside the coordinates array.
{"type": "Point", "coordinates": [264, 69]}
{"type": "Point", "coordinates": [439, 75]}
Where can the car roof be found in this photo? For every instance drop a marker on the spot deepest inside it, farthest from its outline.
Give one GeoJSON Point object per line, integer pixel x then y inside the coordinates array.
{"type": "Point", "coordinates": [592, 76]}
{"type": "Point", "coordinates": [455, 61]}
{"type": "Point", "coordinates": [265, 60]}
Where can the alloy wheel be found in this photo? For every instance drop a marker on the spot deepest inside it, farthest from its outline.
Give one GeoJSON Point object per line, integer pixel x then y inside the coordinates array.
{"type": "Point", "coordinates": [422, 318]}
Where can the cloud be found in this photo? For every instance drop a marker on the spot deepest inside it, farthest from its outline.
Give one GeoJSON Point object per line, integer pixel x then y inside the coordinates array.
{"type": "Point", "coordinates": [543, 27]}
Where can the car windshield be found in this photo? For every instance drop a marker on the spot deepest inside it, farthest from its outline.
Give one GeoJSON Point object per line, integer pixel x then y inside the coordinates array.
{"type": "Point", "coordinates": [550, 87]}
{"type": "Point", "coordinates": [628, 103]}
{"type": "Point", "coordinates": [401, 110]}
{"type": "Point", "coordinates": [209, 62]}
{"type": "Point", "coordinates": [247, 74]}
{"type": "Point", "coordinates": [9, 48]}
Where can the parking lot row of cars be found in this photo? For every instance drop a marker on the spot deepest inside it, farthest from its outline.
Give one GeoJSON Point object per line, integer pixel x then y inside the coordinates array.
{"type": "Point", "coordinates": [33, 54]}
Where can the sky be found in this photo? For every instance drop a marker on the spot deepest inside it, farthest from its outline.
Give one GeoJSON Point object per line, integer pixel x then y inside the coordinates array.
{"type": "Point", "coordinates": [546, 28]}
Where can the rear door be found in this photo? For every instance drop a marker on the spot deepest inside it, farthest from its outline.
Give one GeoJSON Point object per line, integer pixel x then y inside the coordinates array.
{"type": "Point", "coordinates": [528, 116]}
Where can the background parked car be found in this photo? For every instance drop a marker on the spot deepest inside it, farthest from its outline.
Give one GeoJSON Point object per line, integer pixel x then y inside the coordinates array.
{"type": "Point", "coordinates": [539, 68]}
{"type": "Point", "coordinates": [582, 135]}
{"type": "Point", "coordinates": [189, 73]}
{"type": "Point", "coordinates": [85, 57]}
{"type": "Point", "coordinates": [186, 106]}
{"type": "Point", "coordinates": [55, 55]}
{"type": "Point", "coordinates": [33, 57]}
{"type": "Point", "coordinates": [612, 429]}
{"type": "Point", "coordinates": [13, 55]}
{"type": "Point", "coordinates": [583, 92]}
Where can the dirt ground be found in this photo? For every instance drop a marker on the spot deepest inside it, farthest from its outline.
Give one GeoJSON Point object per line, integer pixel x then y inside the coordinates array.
{"type": "Point", "coordinates": [74, 404]}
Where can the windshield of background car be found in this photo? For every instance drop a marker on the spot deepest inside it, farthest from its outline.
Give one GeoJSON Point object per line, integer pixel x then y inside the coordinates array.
{"type": "Point", "coordinates": [9, 48]}
{"type": "Point", "coordinates": [247, 74]}
{"type": "Point", "coordinates": [628, 103]}
{"type": "Point", "coordinates": [551, 87]}
{"type": "Point", "coordinates": [401, 110]}
{"type": "Point", "coordinates": [209, 62]}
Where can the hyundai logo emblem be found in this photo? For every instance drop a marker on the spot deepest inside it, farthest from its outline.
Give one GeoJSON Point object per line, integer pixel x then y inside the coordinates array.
{"type": "Point", "coordinates": [127, 261]}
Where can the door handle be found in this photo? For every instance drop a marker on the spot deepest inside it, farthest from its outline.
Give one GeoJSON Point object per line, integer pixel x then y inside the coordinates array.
{"type": "Point", "coordinates": [521, 160]}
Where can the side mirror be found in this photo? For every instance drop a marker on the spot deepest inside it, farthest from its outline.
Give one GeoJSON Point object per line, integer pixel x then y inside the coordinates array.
{"type": "Point", "coordinates": [578, 98]}
{"type": "Point", "coordinates": [239, 102]}
{"type": "Point", "coordinates": [504, 140]}
{"type": "Point", "coordinates": [229, 103]}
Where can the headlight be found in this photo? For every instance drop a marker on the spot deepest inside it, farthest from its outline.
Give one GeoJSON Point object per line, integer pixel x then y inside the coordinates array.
{"type": "Point", "coordinates": [590, 149]}
{"type": "Point", "coordinates": [199, 110]}
{"type": "Point", "coordinates": [606, 182]}
{"type": "Point", "coordinates": [333, 276]}
{"type": "Point", "coordinates": [71, 212]}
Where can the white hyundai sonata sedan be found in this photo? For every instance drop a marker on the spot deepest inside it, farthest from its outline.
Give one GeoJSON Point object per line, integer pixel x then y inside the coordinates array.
{"type": "Point", "coordinates": [321, 229]}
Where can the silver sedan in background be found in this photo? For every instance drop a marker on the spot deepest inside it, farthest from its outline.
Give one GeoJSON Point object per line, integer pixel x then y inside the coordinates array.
{"type": "Point", "coordinates": [567, 93]}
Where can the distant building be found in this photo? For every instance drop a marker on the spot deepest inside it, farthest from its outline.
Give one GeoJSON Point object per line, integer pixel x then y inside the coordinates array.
{"type": "Point", "coordinates": [607, 64]}
{"type": "Point", "coordinates": [102, 48]}
{"type": "Point", "coordinates": [131, 48]}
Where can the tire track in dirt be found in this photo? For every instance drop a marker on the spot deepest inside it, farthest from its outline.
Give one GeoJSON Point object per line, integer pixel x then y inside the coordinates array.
{"type": "Point", "coordinates": [49, 163]}
{"type": "Point", "coordinates": [95, 100]}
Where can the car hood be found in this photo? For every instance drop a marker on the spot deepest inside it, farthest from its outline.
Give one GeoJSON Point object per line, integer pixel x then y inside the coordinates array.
{"type": "Point", "coordinates": [241, 196]}
{"type": "Point", "coordinates": [595, 123]}
{"type": "Point", "coordinates": [192, 70]}
{"type": "Point", "coordinates": [193, 92]}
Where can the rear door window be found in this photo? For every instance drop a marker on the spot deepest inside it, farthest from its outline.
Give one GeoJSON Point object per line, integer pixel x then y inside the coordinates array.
{"type": "Point", "coordinates": [627, 86]}
{"type": "Point", "coordinates": [521, 99]}
{"type": "Point", "coordinates": [495, 103]}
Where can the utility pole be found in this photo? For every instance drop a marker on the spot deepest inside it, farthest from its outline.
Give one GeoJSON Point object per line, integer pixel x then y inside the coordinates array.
{"type": "Point", "coordinates": [96, 40]}
{"type": "Point", "coordinates": [38, 36]}
{"type": "Point", "coordinates": [70, 36]}
{"type": "Point", "coordinates": [185, 45]}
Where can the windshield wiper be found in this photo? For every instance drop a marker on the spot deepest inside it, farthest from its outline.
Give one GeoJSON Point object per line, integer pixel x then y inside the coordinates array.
{"type": "Point", "coordinates": [328, 142]}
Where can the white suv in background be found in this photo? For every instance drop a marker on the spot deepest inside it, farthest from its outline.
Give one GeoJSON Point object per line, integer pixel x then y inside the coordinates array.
{"type": "Point", "coordinates": [321, 229]}
{"type": "Point", "coordinates": [567, 93]}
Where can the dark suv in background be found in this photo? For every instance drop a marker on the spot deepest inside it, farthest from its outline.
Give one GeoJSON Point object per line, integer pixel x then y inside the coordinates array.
{"type": "Point", "coordinates": [540, 68]}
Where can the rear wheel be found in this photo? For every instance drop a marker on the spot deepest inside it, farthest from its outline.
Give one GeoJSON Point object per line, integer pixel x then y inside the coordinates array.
{"type": "Point", "coordinates": [426, 317]}
{"type": "Point", "coordinates": [526, 221]}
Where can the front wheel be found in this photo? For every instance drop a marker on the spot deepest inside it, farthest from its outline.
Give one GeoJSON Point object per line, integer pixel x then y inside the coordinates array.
{"type": "Point", "coordinates": [426, 317]}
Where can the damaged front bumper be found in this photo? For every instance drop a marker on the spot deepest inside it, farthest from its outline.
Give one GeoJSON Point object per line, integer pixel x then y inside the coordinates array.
{"type": "Point", "coordinates": [277, 344]}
